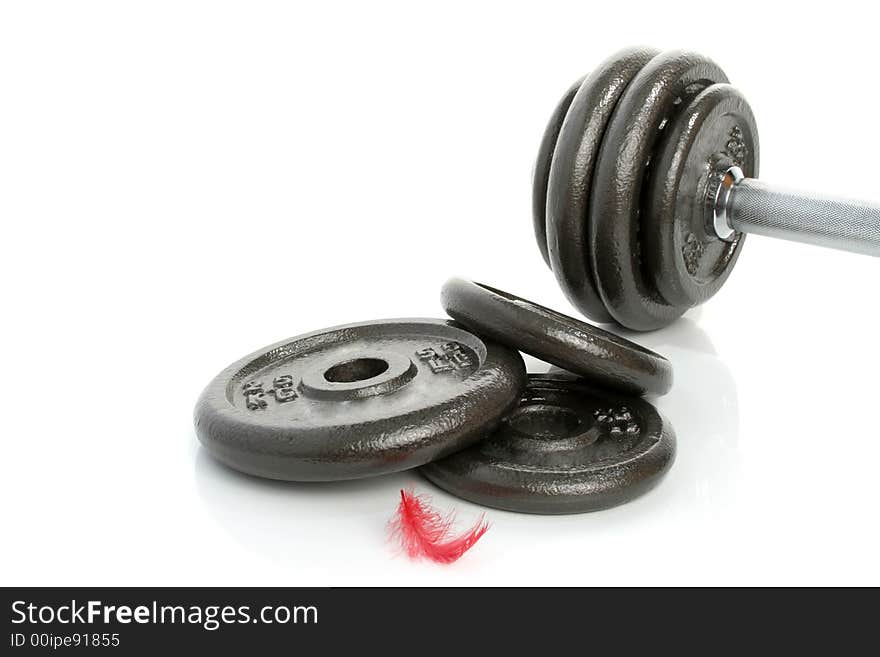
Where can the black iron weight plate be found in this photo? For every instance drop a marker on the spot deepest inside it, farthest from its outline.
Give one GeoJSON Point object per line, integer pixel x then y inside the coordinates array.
{"type": "Point", "coordinates": [358, 400]}
{"type": "Point", "coordinates": [689, 262]}
{"type": "Point", "coordinates": [603, 358]}
{"type": "Point", "coordinates": [567, 448]}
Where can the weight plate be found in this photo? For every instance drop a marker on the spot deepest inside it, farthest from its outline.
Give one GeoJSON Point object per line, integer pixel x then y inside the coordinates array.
{"type": "Point", "coordinates": [358, 400]}
{"type": "Point", "coordinates": [542, 168]}
{"type": "Point", "coordinates": [567, 448]}
{"type": "Point", "coordinates": [602, 358]}
{"type": "Point", "coordinates": [688, 260]}
{"type": "Point", "coordinates": [571, 176]}
{"type": "Point", "coordinates": [650, 102]}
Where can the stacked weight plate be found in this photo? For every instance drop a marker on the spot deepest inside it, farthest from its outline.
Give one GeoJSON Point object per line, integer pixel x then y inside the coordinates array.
{"type": "Point", "coordinates": [580, 438]}
{"type": "Point", "coordinates": [622, 182]}
{"type": "Point", "coordinates": [452, 397]}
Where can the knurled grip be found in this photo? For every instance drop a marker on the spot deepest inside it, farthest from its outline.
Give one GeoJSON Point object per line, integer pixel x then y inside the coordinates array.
{"type": "Point", "coordinates": [754, 207]}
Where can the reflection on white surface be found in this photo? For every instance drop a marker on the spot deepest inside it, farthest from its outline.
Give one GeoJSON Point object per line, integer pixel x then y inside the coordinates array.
{"type": "Point", "coordinates": [704, 411]}
{"type": "Point", "coordinates": [274, 518]}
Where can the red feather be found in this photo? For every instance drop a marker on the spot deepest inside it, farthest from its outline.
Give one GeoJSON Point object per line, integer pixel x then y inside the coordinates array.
{"type": "Point", "coordinates": [424, 533]}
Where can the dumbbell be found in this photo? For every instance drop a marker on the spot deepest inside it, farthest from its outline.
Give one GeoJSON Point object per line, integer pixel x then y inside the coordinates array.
{"type": "Point", "coordinates": [646, 185]}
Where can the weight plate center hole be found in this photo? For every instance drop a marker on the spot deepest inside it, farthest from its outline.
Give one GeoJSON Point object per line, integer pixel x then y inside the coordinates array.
{"type": "Point", "coordinates": [358, 369]}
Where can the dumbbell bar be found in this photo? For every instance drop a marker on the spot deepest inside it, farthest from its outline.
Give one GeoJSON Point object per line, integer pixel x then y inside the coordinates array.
{"type": "Point", "coordinates": [645, 187]}
{"type": "Point", "coordinates": [745, 205]}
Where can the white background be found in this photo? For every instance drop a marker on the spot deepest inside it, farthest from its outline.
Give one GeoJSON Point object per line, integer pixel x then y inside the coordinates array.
{"type": "Point", "coordinates": [182, 183]}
